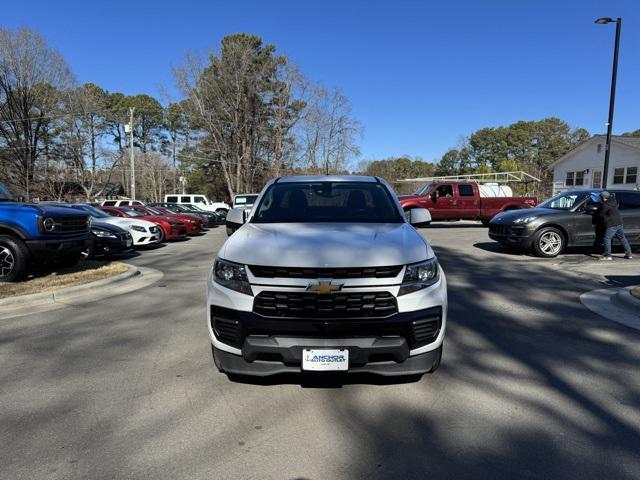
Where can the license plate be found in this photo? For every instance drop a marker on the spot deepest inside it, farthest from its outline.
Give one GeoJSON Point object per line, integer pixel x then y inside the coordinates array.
{"type": "Point", "coordinates": [325, 360]}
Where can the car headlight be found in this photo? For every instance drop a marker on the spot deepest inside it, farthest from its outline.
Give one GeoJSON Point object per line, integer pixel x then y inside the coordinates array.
{"type": "Point", "coordinates": [419, 275]}
{"type": "Point", "coordinates": [103, 234]}
{"type": "Point", "coordinates": [525, 219]}
{"type": "Point", "coordinates": [138, 228]}
{"type": "Point", "coordinates": [231, 275]}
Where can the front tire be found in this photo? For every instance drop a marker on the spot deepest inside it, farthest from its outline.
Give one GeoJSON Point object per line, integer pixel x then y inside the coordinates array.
{"type": "Point", "coordinates": [548, 242]}
{"type": "Point", "coordinates": [14, 259]}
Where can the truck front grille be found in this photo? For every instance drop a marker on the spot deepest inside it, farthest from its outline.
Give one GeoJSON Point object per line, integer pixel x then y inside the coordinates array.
{"type": "Point", "coordinates": [72, 224]}
{"type": "Point", "coordinates": [301, 272]}
{"type": "Point", "coordinates": [335, 305]}
{"type": "Point", "coordinates": [507, 230]}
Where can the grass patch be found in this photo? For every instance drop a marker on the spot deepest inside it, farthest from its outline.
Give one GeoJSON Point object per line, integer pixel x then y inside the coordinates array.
{"type": "Point", "coordinates": [47, 281]}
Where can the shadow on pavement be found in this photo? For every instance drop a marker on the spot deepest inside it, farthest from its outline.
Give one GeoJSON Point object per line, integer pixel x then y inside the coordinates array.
{"type": "Point", "coordinates": [439, 224]}
{"type": "Point", "coordinates": [323, 380]}
{"type": "Point", "coordinates": [536, 388]}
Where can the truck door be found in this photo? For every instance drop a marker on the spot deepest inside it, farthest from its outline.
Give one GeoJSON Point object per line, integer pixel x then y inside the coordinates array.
{"type": "Point", "coordinates": [444, 202]}
{"type": "Point", "coordinates": [468, 201]}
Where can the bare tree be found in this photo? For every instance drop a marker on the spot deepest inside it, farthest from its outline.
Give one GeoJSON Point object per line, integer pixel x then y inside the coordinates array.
{"type": "Point", "coordinates": [31, 76]}
{"type": "Point", "coordinates": [329, 132]}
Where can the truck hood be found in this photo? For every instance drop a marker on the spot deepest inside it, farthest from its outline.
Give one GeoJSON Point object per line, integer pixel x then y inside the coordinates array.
{"type": "Point", "coordinates": [510, 215]}
{"type": "Point", "coordinates": [318, 245]}
{"type": "Point", "coordinates": [45, 210]}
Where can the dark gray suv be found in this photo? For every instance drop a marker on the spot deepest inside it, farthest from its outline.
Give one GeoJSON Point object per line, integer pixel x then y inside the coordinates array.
{"type": "Point", "coordinates": [565, 220]}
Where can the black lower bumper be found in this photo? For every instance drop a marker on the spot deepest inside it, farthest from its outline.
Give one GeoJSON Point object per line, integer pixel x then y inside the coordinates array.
{"type": "Point", "coordinates": [376, 345]}
{"type": "Point", "coordinates": [43, 250]}
{"type": "Point", "coordinates": [239, 365]}
{"type": "Point", "coordinates": [522, 242]}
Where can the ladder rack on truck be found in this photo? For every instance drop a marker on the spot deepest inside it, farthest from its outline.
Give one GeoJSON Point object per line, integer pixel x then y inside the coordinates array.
{"type": "Point", "coordinates": [498, 177]}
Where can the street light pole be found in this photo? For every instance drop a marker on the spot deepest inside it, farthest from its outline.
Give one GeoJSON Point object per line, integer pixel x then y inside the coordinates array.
{"type": "Point", "coordinates": [133, 163]}
{"type": "Point", "coordinates": [612, 98]}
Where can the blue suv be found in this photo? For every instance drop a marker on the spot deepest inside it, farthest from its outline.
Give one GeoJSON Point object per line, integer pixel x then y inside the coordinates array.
{"type": "Point", "coordinates": [32, 233]}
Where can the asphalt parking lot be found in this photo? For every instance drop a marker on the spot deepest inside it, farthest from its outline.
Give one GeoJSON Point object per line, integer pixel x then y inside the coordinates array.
{"type": "Point", "coordinates": [532, 384]}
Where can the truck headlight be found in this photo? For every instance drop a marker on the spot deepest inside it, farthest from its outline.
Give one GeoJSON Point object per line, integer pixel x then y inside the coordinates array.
{"type": "Point", "coordinates": [231, 275]}
{"type": "Point", "coordinates": [419, 275]}
{"type": "Point", "coordinates": [49, 224]}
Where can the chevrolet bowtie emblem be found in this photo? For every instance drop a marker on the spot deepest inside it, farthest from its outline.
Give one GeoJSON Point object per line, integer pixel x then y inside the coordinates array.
{"type": "Point", "coordinates": [324, 287]}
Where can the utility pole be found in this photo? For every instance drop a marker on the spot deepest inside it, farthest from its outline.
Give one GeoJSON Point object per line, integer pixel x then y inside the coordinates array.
{"type": "Point", "coordinates": [612, 97]}
{"type": "Point", "coordinates": [133, 163]}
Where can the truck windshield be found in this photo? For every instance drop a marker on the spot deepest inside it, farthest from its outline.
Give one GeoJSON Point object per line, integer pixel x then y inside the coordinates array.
{"type": "Point", "coordinates": [424, 190]}
{"type": "Point", "coordinates": [327, 202]}
{"type": "Point", "coordinates": [4, 194]}
{"type": "Point", "coordinates": [565, 201]}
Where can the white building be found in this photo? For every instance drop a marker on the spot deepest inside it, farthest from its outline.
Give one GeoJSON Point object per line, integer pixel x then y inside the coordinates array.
{"type": "Point", "coordinates": [582, 167]}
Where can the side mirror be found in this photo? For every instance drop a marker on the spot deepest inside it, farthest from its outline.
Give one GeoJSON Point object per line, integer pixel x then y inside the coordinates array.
{"type": "Point", "coordinates": [590, 209]}
{"type": "Point", "coordinates": [419, 217]}
{"type": "Point", "coordinates": [434, 197]}
{"type": "Point", "coordinates": [235, 219]}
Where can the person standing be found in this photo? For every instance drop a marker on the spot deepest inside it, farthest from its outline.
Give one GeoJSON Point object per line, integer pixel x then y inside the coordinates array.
{"type": "Point", "coordinates": [610, 217]}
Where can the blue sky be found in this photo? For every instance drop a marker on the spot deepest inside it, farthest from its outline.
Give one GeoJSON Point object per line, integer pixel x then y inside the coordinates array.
{"type": "Point", "coordinates": [420, 74]}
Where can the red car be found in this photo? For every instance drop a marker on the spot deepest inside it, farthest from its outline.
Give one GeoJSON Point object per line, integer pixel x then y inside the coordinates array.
{"type": "Point", "coordinates": [170, 229]}
{"type": "Point", "coordinates": [194, 224]}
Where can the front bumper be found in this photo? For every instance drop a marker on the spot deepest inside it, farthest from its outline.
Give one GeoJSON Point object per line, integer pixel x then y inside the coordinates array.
{"type": "Point", "coordinates": [238, 365]}
{"type": "Point", "coordinates": [105, 245]}
{"type": "Point", "coordinates": [518, 236]}
{"type": "Point", "coordinates": [45, 249]}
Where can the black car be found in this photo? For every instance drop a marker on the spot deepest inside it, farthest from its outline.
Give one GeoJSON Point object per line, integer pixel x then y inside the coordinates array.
{"type": "Point", "coordinates": [212, 218]}
{"type": "Point", "coordinates": [565, 220]}
{"type": "Point", "coordinates": [107, 239]}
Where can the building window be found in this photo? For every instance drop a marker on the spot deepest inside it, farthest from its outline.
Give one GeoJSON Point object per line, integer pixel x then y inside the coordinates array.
{"type": "Point", "coordinates": [596, 181]}
{"type": "Point", "coordinates": [632, 175]}
{"type": "Point", "coordinates": [570, 179]}
{"type": "Point", "coordinates": [579, 178]}
{"type": "Point", "coordinates": [618, 176]}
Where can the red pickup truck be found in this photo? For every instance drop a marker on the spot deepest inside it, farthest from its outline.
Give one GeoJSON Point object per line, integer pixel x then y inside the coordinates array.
{"type": "Point", "coordinates": [462, 201]}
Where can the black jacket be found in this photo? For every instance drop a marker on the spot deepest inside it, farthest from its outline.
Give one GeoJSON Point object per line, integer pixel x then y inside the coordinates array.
{"type": "Point", "coordinates": [609, 213]}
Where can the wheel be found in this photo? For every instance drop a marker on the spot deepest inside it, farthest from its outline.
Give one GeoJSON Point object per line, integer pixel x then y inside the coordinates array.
{"type": "Point", "coordinates": [436, 362]}
{"type": "Point", "coordinates": [548, 242]}
{"type": "Point", "coordinates": [68, 260]}
{"type": "Point", "coordinates": [14, 259]}
{"type": "Point", "coordinates": [216, 362]}
{"type": "Point", "coordinates": [407, 214]}
{"type": "Point", "coordinates": [486, 221]}
{"type": "Point", "coordinates": [161, 234]}
{"type": "Point", "coordinates": [230, 231]}
{"type": "Point", "coordinates": [222, 212]}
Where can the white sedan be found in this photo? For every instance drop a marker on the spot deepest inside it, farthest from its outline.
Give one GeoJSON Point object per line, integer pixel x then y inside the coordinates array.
{"type": "Point", "coordinates": [143, 232]}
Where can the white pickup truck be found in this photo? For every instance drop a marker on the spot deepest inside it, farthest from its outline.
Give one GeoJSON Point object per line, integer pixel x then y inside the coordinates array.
{"type": "Point", "coordinates": [326, 274]}
{"type": "Point", "coordinates": [197, 200]}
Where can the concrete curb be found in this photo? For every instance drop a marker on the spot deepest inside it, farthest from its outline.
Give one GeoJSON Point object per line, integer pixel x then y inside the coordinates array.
{"type": "Point", "coordinates": [133, 279]}
{"type": "Point", "coordinates": [615, 304]}
{"type": "Point", "coordinates": [47, 297]}
{"type": "Point", "coordinates": [624, 299]}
